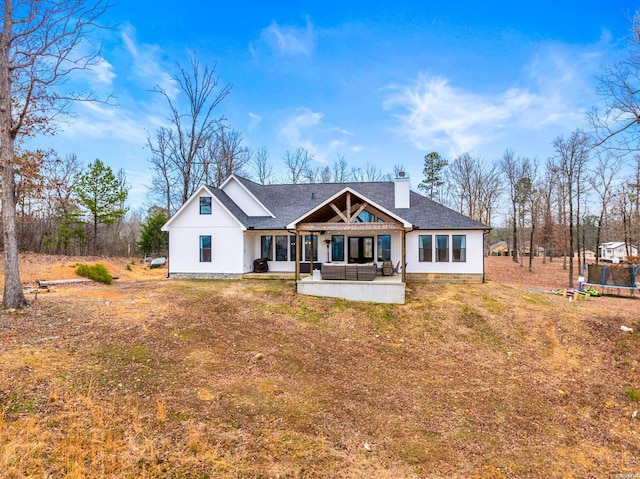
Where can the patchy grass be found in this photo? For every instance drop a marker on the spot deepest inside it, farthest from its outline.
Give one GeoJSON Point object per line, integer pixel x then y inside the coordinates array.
{"type": "Point", "coordinates": [246, 379]}
{"type": "Point", "coordinates": [633, 394]}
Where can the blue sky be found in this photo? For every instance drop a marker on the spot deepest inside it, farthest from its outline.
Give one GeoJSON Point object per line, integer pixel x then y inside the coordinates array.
{"type": "Point", "coordinates": [378, 82]}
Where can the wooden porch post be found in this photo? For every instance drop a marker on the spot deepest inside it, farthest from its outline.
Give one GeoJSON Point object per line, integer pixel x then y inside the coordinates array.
{"type": "Point", "coordinates": [404, 255]}
{"type": "Point", "coordinates": [297, 256]}
{"type": "Point", "coordinates": [311, 253]}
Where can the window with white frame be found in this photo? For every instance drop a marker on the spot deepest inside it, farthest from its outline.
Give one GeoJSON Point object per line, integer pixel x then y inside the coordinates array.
{"type": "Point", "coordinates": [266, 247]}
{"type": "Point", "coordinates": [425, 248]}
{"type": "Point", "coordinates": [305, 250]}
{"type": "Point", "coordinates": [205, 205]}
{"type": "Point", "coordinates": [459, 248]}
{"type": "Point", "coordinates": [442, 248]}
{"type": "Point", "coordinates": [205, 249]}
{"type": "Point", "coordinates": [282, 242]}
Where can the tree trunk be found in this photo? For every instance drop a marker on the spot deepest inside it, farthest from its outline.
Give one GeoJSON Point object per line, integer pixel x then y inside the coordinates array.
{"type": "Point", "coordinates": [533, 229]}
{"type": "Point", "coordinates": [571, 242]}
{"type": "Point", "coordinates": [13, 294]}
{"type": "Point", "coordinates": [95, 235]}
{"type": "Point", "coordinates": [514, 253]}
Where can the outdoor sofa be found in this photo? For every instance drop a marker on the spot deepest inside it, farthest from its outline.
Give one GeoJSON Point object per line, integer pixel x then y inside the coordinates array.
{"type": "Point", "coordinates": [349, 272]}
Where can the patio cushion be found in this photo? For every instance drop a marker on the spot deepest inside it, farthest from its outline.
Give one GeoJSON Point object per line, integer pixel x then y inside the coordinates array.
{"type": "Point", "coordinates": [367, 272]}
{"type": "Point", "coordinates": [333, 271]}
{"type": "Point", "coordinates": [351, 272]}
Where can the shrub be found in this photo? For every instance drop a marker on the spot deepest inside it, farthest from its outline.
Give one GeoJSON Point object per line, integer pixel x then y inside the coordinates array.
{"type": "Point", "coordinates": [97, 272]}
{"type": "Point", "coordinates": [633, 394]}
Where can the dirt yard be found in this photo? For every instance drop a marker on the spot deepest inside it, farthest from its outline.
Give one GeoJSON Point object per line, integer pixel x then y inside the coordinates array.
{"type": "Point", "coordinates": [151, 377]}
{"type": "Point", "coordinates": [503, 270]}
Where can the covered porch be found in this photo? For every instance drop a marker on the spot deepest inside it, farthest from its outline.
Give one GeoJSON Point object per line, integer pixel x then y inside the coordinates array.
{"type": "Point", "coordinates": [357, 232]}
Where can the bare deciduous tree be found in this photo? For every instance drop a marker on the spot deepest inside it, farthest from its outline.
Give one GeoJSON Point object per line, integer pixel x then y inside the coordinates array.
{"type": "Point", "coordinates": [369, 173]}
{"type": "Point", "coordinates": [325, 175]}
{"type": "Point", "coordinates": [176, 151]}
{"type": "Point", "coordinates": [603, 182]}
{"type": "Point", "coordinates": [39, 47]}
{"type": "Point", "coordinates": [616, 123]}
{"type": "Point", "coordinates": [297, 164]}
{"type": "Point", "coordinates": [223, 156]}
{"type": "Point", "coordinates": [164, 183]}
{"type": "Point", "coordinates": [572, 155]}
{"type": "Point", "coordinates": [474, 187]}
{"type": "Point", "coordinates": [262, 168]}
{"type": "Point", "coordinates": [340, 170]}
{"type": "Point", "coordinates": [520, 180]}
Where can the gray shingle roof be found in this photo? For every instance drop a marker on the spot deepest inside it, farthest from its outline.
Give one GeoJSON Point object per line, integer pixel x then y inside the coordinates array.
{"type": "Point", "coordinates": [290, 202]}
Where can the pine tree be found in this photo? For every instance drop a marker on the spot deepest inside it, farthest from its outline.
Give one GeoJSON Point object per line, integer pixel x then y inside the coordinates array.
{"type": "Point", "coordinates": [434, 165]}
{"type": "Point", "coordinates": [102, 195]}
{"type": "Point", "coordinates": [152, 238]}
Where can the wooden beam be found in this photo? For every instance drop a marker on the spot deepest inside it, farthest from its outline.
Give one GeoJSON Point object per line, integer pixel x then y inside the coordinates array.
{"type": "Point", "coordinates": [359, 210]}
{"type": "Point", "coordinates": [311, 255]}
{"type": "Point", "coordinates": [340, 213]}
{"type": "Point", "coordinates": [348, 207]}
{"type": "Point", "coordinates": [315, 227]}
{"type": "Point", "coordinates": [344, 216]}
{"type": "Point", "coordinates": [297, 257]}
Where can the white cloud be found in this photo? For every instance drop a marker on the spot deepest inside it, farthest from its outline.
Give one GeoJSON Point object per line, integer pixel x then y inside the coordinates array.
{"type": "Point", "coordinates": [288, 40]}
{"type": "Point", "coordinates": [433, 114]}
{"type": "Point", "coordinates": [308, 129]}
{"type": "Point", "coordinates": [551, 98]}
{"type": "Point", "coordinates": [147, 64]}
{"type": "Point", "coordinates": [96, 121]}
{"type": "Point", "coordinates": [254, 120]}
{"type": "Point", "coordinates": [103, 72]}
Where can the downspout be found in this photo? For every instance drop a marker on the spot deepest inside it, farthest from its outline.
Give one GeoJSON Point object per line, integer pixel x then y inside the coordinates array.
{"type": "Point", "coordinates": [484, 234]}
{"type": "Point", "coordinates": [404, 250]}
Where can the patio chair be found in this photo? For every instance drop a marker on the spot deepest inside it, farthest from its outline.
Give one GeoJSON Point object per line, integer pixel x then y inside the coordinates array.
{"type": "Point", "coordinates": [387, 268]}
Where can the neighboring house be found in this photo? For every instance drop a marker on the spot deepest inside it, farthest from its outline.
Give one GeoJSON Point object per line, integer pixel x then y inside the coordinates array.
{"type": "Point", "coordinates": [499, 248]}
{"type": "Point", "coordinates": [219, 232]}
{"type": "Point", "coordinates": [616, 251]}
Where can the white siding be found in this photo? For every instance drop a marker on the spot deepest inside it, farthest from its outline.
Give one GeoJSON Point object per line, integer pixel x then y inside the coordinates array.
{"type": "Point", "coordinates": [243, 199]}
{"type": "Point", "coordinates": [253, 243]}
{"type": "Point", "coordinates": [184, 240]}
{"type": "Point", "coordinates": [616, 251]}
{"type": "Point", "coordinates": [226, 250]}
{"type": "Point", "coordinates": [475, 253]}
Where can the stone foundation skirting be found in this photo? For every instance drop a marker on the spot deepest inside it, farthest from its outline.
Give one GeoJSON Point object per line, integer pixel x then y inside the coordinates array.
{"type": "Point", "coordinates": [467, 278]}
{"type": "Point", "coordinates": [205, 275]}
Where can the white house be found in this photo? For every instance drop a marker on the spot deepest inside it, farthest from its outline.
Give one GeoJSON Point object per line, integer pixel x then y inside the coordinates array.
{"type": "Point", "coordinates": [219, 232]}
{"type": "Point", "coordinates": [616, 251]}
